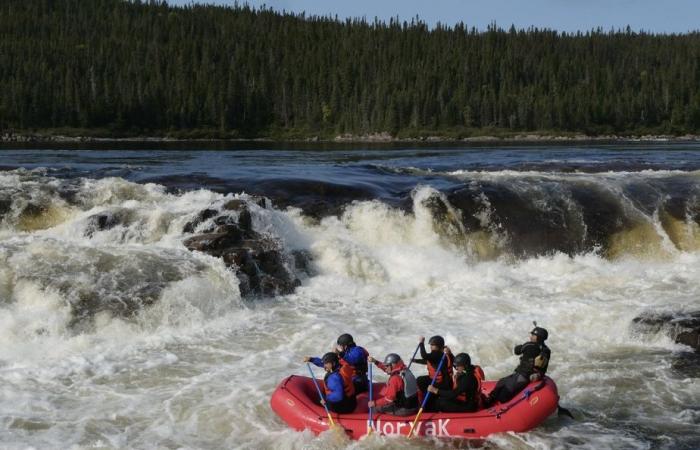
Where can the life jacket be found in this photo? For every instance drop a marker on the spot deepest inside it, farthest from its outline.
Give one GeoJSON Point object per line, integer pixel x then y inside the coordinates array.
{"type": "Point", "coordinates": [359, 370]}
{"type": "Point", "coordinates": [345, 373]}
{"type": "Point", "coordinates": [542, 361]}
{"type": "Point", "coordinates": [408, 396]}
{"type": "Point", "coordinates": [480, 397]}
{"type": "Point", "coordinates": [530, 362]}
{"type": "Point", "coordinates": [478, 373]}
{"type": "Point", "coordinates": [445, 372]}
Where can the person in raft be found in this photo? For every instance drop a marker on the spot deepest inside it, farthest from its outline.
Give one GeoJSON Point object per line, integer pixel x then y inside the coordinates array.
{"type": "Point", "coordinates": [338, 386]}
{"type": "Point", "coordinates": [432, 360]}
{"type": "Point", "coordinates": [399, 397]}
{"type": "Point", "coordinates": [356, 357]}
{"type": "Point", "coordinates": [534, 360]}
{"type": "Point", "coordinates": [465, 394]}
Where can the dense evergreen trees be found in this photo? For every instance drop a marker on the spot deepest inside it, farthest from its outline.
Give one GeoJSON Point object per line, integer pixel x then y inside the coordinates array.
{"type": "Point", "coordinates": [132, 66]}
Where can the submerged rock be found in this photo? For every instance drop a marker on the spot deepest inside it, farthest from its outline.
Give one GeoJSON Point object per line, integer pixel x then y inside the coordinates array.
{"type": "Point", "coordinates": [259, 260]}
{"type": "Point", "coordinates": [683, 328]}
{"type": "Point", "coordinates": [106, 221]}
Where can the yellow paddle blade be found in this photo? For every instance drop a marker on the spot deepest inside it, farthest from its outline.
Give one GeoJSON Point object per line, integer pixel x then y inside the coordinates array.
{"type": "Point", "coordinates": [415, 421]}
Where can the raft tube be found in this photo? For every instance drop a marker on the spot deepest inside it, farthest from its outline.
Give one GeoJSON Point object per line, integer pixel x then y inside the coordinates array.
{"type": "Point", "coordinates": [295, 400]}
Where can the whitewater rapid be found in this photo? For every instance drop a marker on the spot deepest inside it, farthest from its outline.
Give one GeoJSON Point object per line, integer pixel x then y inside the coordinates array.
{"type": "Point", "coordinates": [194, 365]}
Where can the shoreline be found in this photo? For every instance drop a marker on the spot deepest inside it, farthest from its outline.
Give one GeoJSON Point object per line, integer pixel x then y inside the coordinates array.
{"type": "Point", "coordinates": [375, 138]}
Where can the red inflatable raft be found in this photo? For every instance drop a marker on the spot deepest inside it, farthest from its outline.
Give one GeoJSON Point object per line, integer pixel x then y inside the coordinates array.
{"type": "Point", "coordinates": [295, 400]}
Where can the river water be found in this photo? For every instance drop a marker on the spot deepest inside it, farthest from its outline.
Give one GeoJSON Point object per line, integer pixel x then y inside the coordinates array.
{"type": "Point", "coordinates": [473, 243]}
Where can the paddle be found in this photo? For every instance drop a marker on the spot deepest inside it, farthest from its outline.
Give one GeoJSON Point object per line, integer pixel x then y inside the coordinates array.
{"type": "Point", "coordinates": [561, 411]}
{"type": "Point", "coordinates": [427, 394]}
{"type": "Point", "coordinates": [369, 419]}
{"type": "Point", "coordinates": [318, 389]}
{"type": "Point", "coordinates": [412, 357]}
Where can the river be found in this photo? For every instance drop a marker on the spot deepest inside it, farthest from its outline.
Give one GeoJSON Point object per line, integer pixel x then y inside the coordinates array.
{"type": "Point", "coordinates": [121, 337]}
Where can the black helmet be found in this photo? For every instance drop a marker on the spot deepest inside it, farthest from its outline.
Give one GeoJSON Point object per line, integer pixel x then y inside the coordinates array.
{"type": "Point", "coordinates": [392, 358]}
{"type": "Point", "coordinates": [345, 339]}
{"type": "Point", "coordinates": [437, 340]}
{"type": "Point", "coordinates": [540, 332]}
{"type": "Point", "coordinates": [330, 357]}
{"type": "Point", "coordinates": [462, 359]}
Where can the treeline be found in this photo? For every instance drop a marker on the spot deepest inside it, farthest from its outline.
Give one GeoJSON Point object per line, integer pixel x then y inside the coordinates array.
{"type": "Point", "coordinates": [239, 72]}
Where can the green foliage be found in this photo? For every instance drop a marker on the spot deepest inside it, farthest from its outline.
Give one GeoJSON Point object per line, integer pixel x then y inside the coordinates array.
{"type": "Point", "coordinates": [135, 67]}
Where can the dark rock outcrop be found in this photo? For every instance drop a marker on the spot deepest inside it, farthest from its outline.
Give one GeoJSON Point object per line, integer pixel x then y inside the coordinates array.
{"type": "Point", "coordinates": [106, 221]}
{"type": "Point", "coordinates": [261, 264]}
{"type": "Point", "coordinates": [683, 328]}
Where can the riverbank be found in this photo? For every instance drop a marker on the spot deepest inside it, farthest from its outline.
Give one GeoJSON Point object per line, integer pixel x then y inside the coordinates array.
{"type": "Point", "coordinates": [88, 136]}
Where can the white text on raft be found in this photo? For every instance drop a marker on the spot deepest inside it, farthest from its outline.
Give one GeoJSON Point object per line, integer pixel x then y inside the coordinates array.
{"type": "Point", "coordinates": [430, 428]}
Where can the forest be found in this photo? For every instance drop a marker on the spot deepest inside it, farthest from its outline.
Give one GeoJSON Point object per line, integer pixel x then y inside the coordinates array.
{"type": "Point", "coordinates": [119, 68]}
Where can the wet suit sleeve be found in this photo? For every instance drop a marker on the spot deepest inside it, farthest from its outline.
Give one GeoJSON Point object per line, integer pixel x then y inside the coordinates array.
{"type": "Point", "coordinates": [423, 355]}
{"type": "Point", "coordinates": [316, 362]}
{"type": "Point", "coordinates": [335, 386]}
{"type": "Point", "coordinates": [529, 349]}
{"type": "Point", "coordinates": [432, 357]}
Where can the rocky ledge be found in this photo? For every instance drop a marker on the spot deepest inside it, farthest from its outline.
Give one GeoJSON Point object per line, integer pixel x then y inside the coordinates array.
{"type": "Point", "coordinates": [262, 265]}
{"type": "Point", "coordinates": [684, 328]}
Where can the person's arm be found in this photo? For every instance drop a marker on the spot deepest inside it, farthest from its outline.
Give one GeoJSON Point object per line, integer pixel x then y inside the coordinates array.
{"type": "Point", "coordinates": [530, 349]}
{"type": "Point", "coordinates": [392, 388]}
{"type": "Point", "coordinates": [423, 353]}
{"type": "Point", "coordinates": [518, 349]}
{"type": "Point", "coordinates": [451, 394]}
{"type": "Point", "coordinates": [335, 386]}
{"type": "Point", "coordinates": [316, 361]}
{"type": "Point", "coordinates": [435, 357]}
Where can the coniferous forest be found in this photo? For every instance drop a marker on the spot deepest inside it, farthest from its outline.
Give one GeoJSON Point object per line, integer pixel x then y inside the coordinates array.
{"type": "Point", "coordinates": [134, 67]}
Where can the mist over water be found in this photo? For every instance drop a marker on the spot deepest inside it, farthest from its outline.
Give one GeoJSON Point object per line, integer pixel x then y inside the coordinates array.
{"type": "Point", "coordinates": [114, 335]}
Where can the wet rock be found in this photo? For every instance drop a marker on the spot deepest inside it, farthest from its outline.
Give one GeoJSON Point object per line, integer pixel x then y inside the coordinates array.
{"type": "Point", "coordinates": [303, 260]}
{"type": "Point", "coordinates": [5, 206]}
{"type": "Point", "coordinates": [683, 328]}
{"type": "Point", "coordinates": [203, 215]}
{"type": "Point", "coordinates": [260, 262]}
{"type": "Point", "coordinates": [687, 364]}
{"type": "Point", "coordinates": [218, 242]}
{"type": "Point", "coordinates": [100, 222]}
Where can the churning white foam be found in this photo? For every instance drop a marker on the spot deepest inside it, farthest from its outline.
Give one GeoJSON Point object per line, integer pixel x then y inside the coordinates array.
{"type": "Point", "coordinates": [196, 369]}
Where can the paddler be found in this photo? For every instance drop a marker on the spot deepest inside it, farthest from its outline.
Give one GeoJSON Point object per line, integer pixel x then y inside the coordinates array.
{"type": "Point", "coordinates": [443, 380]}
{"type": "Point", "coordinates": [353, 355]}
{"type": "Point", "coordinates": [465, 394]}
{"type": "Point", "coordinates": [399, 397]}
{"type": "Point", "coordinates": [534, 360]}
{"type": "Point", "coordinates": [338, 385]}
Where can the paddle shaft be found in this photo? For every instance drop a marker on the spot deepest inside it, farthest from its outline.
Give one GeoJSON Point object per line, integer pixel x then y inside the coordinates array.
{"type": "Point", "coordinates": [412, 357]}
{"type": "Point", "coordinates": [369, 421]}
{"type": "Point", "coordinates": [427, 394]}
{"type": "Point", "coordinates": [320, 395]}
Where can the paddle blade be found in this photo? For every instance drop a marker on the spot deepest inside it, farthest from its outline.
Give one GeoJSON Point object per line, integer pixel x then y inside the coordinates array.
{"type": "Point", "coordinates": [564, 412]}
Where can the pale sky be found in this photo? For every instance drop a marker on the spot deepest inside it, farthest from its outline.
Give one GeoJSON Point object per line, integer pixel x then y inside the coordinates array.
{"type": "Point", "coordinates": [660, 16]}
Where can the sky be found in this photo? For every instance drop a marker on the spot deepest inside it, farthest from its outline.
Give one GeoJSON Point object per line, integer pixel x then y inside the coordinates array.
{"type": "Point", "coordinates": [658, 16]}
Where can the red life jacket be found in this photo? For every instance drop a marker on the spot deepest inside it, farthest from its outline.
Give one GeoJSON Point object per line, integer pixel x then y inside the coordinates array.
{"type": "Point", "coordinates": [445, 371]}
{"type": "Point", "coordinates": [346, 372]}
{"type": "Point", "coordinates": [480, 398]}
